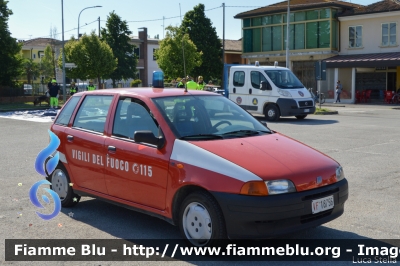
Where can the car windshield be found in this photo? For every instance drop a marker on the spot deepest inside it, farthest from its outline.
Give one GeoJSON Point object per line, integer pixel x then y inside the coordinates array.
{"type": "Point", "coordinates": [208, 117]}
{"type": "Point", "coordinates": [284, 79]}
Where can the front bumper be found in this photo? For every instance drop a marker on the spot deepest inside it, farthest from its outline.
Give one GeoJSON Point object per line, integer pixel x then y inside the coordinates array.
{"type": "Point", "coordinates": [262, 217]}
{"type": "Point", "coordinates": [290, 107]}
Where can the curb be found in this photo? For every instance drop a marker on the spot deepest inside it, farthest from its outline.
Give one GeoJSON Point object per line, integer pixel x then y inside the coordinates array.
{"type": "Point", "coordinates": [328, 113]}
{"type": "Point", "coordinates": [22, 110]}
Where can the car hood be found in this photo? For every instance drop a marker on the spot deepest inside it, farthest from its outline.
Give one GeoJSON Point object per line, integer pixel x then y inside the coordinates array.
{"type": "Point", "coordinates": [275, 156]}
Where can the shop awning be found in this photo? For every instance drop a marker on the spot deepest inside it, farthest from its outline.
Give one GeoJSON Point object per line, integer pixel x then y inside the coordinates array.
{"type": "Point", "coordinates": [364, 60]}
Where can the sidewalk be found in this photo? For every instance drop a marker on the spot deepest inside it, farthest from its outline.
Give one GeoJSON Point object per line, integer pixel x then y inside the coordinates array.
{"type": "Point", "coordinates": [379, 105]}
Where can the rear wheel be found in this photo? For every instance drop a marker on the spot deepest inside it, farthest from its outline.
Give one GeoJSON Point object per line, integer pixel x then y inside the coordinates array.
{"type": "Point", "coordinates": [60, 183]}
{"type": "Point", "coordinates": [200, 220]}
{"type": "Point", "coordinates": [301, 116]}
{"type": "Point", "coordinates": [271, 112]}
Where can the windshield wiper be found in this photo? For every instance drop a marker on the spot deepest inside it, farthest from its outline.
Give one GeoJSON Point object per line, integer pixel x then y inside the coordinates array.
{"type": "Point", "coordinates": [202, 137]}
{"type": "Point", "coordinates": [246, 132]}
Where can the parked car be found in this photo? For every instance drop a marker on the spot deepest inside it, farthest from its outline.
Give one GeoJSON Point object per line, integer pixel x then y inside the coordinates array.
{"type": "Point", "coordinates": [28, 89]}
{"type": "Point", "coordinates": [195, 159]}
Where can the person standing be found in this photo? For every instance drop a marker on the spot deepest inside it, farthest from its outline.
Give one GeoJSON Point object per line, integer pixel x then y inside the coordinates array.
{"type": "Point", "coordinates": [191, 85]}
{"type": "Point", "coordinates": [182, 83]}
{"type": "Point", "coordinates": [339, 89]}
{"type": "Point", "coordinates": [73, 89]}
{"type": "Point", "coordinates": [90, 87]}
{"type": "Point", "coordinates": [200, 83]}
{"type": "Point", "coordinates": [54, 90]}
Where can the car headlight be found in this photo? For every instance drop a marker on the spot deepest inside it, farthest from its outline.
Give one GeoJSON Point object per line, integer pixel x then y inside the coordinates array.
{"type": "Point", "coordinates": [280, 186]}
{"type": "Point", "coordinates": [265, 188]}
{"type": "Point", "coordinates": [284, 93]}
{"type": "Point", "coordinates": [339, 173]}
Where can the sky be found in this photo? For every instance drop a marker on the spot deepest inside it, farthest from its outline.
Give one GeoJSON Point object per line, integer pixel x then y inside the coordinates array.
{"type": "Point", "coordinates": [35, 18]}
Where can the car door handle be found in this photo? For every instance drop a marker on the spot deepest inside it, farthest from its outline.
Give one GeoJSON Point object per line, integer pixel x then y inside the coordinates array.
{"type": "Point", "coordinates": [234, 90]}
{"type": "Point", "coordinates": [250, 91]}
{"type": "Point", "coordinates": [112, 148]}
{"type": "Point", "coordinates": [70, 138]}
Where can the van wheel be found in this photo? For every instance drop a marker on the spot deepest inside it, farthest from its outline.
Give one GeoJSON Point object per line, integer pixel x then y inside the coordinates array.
{"type": "Point", "coordinates": [300, 116]}
{"type": "Point", "coordinates": [200, 220]}
{"type": "Point", "coordinates": [60, 183]}
{"type": "Point", "coordinates": [271, 112]}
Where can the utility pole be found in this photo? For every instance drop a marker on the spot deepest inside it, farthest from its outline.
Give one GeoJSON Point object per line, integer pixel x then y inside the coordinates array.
{"type": "Point", "coordinates": [183, 48]}
{"type": "Point", "coordinates": [223, 34]}
{"type": "Point", "coordinates": [63, 52]}
{"type": "Point", "coordinates": [99, 26]}
{"type": "Point", "coordinates": [163, 18]}
{"type": "Point", "coordinates": [287, 34]}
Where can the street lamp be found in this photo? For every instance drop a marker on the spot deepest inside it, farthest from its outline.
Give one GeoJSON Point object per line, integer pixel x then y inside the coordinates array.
{"type": "Point", "coordinates": [80, 16]}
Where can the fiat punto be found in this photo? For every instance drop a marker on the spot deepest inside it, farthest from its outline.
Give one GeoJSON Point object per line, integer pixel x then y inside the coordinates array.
{"type": "Point", "coordinates": [195, 159]}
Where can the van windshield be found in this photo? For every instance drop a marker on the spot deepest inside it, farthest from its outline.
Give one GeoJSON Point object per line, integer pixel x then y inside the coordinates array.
{"type": "Point", "coordinates": [284, 79]}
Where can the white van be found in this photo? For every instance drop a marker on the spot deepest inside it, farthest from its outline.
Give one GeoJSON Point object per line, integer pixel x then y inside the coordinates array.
{"type": "Point", "coordinates": [269, 90]}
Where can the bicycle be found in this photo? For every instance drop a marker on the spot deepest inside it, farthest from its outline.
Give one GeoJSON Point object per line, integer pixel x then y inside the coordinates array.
{"type": "Point", "coordinates": [317, 96]}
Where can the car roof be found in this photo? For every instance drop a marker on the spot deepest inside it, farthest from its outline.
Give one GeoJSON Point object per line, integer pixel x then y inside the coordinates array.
{"type": "Point", "coordinates": [148, 92]}
{"type": "Point", "coordinates": [261, 67]}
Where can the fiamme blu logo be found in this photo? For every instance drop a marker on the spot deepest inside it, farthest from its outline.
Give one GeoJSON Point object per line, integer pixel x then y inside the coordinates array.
{"type": "Point", "coordinates": [44, 166]}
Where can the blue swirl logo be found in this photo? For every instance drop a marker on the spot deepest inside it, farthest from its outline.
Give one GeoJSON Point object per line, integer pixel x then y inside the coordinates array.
{"type": "Point", "coordinates": [45, 153]}
{"type": "Point", "coordinates": [46, 168]}
{"type": "Point", "coordinates": [35, 200]}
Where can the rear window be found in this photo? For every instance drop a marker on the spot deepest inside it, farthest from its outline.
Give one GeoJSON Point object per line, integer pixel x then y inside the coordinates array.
{"type": "Point", "coordinates": [93, 112]}
{"type": "Point", "coordinates": [65, 114]}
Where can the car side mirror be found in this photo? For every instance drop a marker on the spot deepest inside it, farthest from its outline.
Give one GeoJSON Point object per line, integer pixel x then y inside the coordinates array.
{"type": "Point", "coordinates": [146, 136]}
{"type": "Point", "coordinates": [265, 86]}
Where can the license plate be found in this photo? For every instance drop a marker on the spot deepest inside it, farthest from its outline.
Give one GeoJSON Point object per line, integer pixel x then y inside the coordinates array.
{"type": "Point", "coordinates": [322, 204]}
{"type": "Point", "coordinates": [306, 110]}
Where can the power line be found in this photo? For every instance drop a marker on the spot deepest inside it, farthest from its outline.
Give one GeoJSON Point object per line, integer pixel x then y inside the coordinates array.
{"type": "Point", "coordinates": [49, 36]}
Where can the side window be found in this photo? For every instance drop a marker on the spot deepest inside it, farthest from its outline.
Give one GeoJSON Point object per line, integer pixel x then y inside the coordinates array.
{"type": "Point", "coordinates": [256, 78]}
{"type": "Point", "coordinates": [66, 112]}
{"type": "Point", "coordinates": [93, 112]}
{"type": "Point", "coordinates": [131, 116]}
{"type": "Point", "coordinates": [238, 78]}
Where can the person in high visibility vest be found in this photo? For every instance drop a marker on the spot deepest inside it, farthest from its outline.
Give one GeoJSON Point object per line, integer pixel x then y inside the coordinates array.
{"type": "Point", "coordinates": [90, 87]}
{"type": "Point", "coordinates": [182, 83]}
{"type": "Point", "coordinates": [191, 85]}
{"type": "Point", "coordinates": [54, 90]}
{"type": "Point", "coordinates": [73, 89]}
{"type": "Point", "coordinates": [200, 83]}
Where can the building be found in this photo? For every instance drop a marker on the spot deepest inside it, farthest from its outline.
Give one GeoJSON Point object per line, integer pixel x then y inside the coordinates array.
{"type": "Point", "coordinates": [145, 50]}
{"type": "Point", "coordinates": [313, 34]}
{"type": "Point", "coordinates": [369, 55]}
{"type": "Point", "coordinates": [233, 52]}
{"type": "Point", "coordinates": [34, 49]}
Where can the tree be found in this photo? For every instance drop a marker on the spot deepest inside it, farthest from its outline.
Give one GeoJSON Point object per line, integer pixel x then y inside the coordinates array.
{"type": "Point", "coordinates": [10, 58]}
{"type": "Point", "coordinates": [170, 54]}
{"type": "Point", "coordinates": [116, 35]}
{"type": "Point", "coordinates": [93, 58]}
{"type": "Point", "coordinates": [205, 37]}
{"type": "Point", "coordinates": [54, 48]}
{"type": "Point", "coordinates": [47, 67]}
{"type": "Point", "coordinates": [31, 69]}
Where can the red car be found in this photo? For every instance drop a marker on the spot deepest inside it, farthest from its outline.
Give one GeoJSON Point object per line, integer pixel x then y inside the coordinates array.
{"type": "Point", "coordinates": [194, 159]}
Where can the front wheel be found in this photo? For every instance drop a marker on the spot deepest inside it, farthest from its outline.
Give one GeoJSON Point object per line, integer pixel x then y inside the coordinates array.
{"type": "Point", "coordinates": [60, 183]}
{"type": "Point", "coordinates": [271, 112]}
{"type": "Point", "coordinates": [200, 220]}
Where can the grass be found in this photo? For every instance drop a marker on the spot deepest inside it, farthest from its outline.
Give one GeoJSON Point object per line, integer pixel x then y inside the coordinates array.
{"type": "Point", "coordinates": [4, 107]}
{"type": "Point", "coordinates": [322, 110]}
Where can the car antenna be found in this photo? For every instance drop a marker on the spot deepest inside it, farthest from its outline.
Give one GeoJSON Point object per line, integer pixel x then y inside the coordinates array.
{"type": "Point", "coordinates": [183, 50]}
